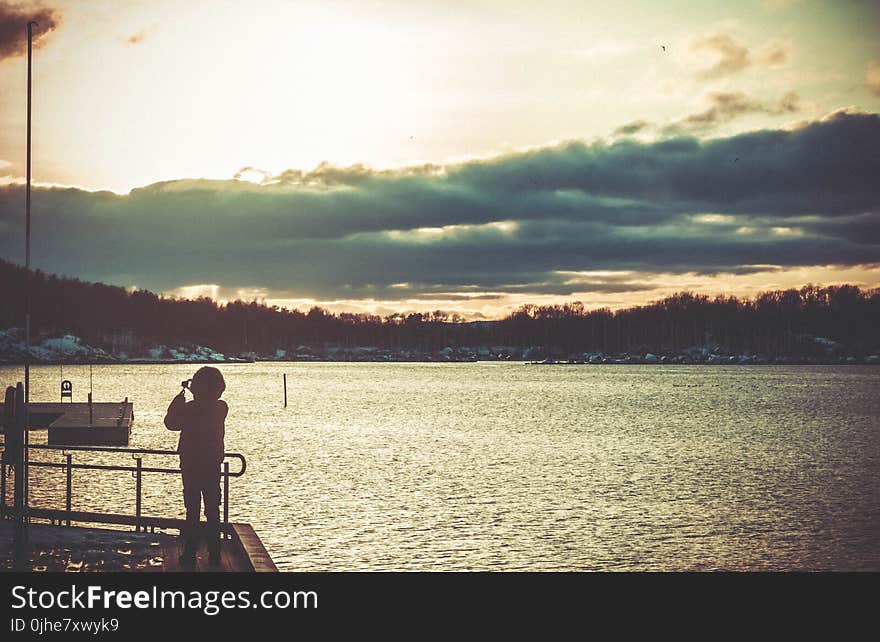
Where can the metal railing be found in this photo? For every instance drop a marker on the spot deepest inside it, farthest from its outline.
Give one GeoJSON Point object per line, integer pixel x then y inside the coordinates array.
{"type": "Point", "coordinates": [138, 520]}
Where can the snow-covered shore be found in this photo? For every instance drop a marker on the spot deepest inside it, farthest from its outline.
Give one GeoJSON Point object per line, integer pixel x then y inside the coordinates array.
{"type": "Point", "coordinates": [71, 349]}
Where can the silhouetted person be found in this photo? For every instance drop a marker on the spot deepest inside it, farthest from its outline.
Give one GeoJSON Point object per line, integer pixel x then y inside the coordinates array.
{"type": "Point", "coordinates": [201, 426]}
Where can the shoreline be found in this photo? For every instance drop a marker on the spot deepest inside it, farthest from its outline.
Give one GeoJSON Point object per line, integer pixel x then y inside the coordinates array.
{"type": "Point", "coordinates": [782, 361]}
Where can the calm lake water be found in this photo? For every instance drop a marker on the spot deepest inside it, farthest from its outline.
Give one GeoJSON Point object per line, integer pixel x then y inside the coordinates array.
{"type": "Point", "coordinates": [508, 466]}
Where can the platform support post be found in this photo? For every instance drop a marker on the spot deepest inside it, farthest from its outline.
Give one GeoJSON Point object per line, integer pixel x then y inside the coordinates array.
{"type": "Point", "coordinates": [226, 494]}
{"type": "Point", "coordinates": [139, 484]}
{"type": "Point", "coordinates": [69, 485]}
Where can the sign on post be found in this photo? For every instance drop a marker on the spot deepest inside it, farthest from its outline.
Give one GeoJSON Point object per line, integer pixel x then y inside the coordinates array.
{"type": "Point", "coordinates": [66, 390]}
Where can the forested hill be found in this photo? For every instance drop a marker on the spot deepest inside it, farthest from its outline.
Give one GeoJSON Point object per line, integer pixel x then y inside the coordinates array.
{"type": "Point", "coordinates": [811, 321]}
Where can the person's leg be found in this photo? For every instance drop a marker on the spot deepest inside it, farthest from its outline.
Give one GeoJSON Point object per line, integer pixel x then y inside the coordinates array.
{"type": "Point", "coordinates": [211, 492]}
{"type": "Point", "coordinates": [192, 501]}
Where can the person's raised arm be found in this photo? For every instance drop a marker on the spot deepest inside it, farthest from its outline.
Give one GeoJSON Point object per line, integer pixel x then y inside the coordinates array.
{"type": "Point", "coordinates": [174, 415]}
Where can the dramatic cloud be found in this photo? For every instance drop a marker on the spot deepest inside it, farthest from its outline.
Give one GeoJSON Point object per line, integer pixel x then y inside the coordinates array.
{"type": "Point", "coordinates": [726, 106]}
{"type": "Point", "coordinates": [13, 27]}
{"type": "Point", "coordinates": [550, 221]}
{"type": "Point", "coordinates": [732, 56]}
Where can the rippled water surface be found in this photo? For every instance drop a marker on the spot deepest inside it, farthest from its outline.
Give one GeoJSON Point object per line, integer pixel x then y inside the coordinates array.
{"type": "Point", "coordinates": [508, 466]}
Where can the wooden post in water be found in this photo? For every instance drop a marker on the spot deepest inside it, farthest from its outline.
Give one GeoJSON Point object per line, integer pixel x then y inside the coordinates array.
{"type": "Point", "coordinates": [90, 409]}
{"type": "Point", "coordinates": [285, 389]}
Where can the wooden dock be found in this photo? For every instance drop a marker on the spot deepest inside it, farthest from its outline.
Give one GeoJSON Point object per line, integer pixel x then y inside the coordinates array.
{"type": "Point", "coordinates": [244, 553]}
{"type": "Point", "coordinates": [83, 549]}
{"type": "Point", "coordinates": [83, 424]}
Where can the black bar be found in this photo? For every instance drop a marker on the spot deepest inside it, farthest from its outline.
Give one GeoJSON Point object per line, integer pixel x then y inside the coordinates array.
{"type": "Point", "coordinates": [225, 492]}
{"type": "Point", "coordinates": [147, 521]}
{"type": "Point", "coordinates": [138, 499]}
{"type": "Point", "coordinates": [69, 485]}
{"type": "Point", "coordinates": [24, 459]}
{"type": "Point", "coordinates": [20, 428]}
{"type": "Point", "coordinates": [137, 451]}
{"type": "Point", "coordinates": [112, 449]}
{"type": "Point", "coordinates": [50, 464]}
{"type": "Point", "coordinates": [20, 534]}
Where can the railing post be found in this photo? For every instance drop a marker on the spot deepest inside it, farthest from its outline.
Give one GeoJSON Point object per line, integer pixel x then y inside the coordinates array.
{"type": "Point", "coordinates": [64, 516]}
{"type": "Point", "coordinates": [69, 485]}
{"type": "Point", "coordinates": [226, 495]}
{"type": "Point", "coordinates": [3, 486]}
{"type": "Point", "coordinates": [17, 428]}
{"type": "Point", "coordinates": [139, 473]}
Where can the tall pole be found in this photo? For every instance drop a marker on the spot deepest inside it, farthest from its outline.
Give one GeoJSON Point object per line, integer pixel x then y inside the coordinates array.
{"type": "Point", "coordinates": [22, 399]}
{"type": "Point", "coordinates": [27, 272]}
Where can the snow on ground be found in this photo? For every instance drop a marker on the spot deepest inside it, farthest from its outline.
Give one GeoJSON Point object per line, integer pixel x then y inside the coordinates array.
{"type": "Point", "coordinates": [70, 348]}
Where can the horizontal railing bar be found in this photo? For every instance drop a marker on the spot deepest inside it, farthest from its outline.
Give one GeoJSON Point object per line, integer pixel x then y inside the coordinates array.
{"type": "Point", "coordinates": [50, 464]}
{"type": "Point", "coordinates": [134, 451]}
{"type": "Point", "coordinates": [112, 518]}
{"type": "Point", "coordinates": [109, 449]}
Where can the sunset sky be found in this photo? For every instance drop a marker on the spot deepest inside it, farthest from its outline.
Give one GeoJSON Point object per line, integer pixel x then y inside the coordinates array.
{"type": "Point", "coordinates": [466, 156]}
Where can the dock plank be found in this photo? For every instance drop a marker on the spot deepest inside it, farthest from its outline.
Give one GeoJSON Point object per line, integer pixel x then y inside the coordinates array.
{"type": "Point", "coordinates": [255, 552]}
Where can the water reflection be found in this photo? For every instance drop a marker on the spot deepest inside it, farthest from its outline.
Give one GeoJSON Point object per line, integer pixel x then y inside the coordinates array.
{"type": "Point", "coordinates": [513, 467]}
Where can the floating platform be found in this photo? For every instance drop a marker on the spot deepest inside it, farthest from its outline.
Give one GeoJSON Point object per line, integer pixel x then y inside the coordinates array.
{"type": "Point", "coordinates": [74, 424]}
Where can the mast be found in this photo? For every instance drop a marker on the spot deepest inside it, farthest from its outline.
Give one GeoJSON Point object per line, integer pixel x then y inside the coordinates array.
{"type": "Point", "coordinates": [22, 395]}
{"type": "Point", "coordinates": [27, 276]}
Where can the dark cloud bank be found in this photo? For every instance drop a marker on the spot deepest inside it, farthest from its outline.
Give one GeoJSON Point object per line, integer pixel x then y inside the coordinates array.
{"type": "Point", "coordinates": [353, 232]}
{"type": "Point", "coordinates": [13, 27]}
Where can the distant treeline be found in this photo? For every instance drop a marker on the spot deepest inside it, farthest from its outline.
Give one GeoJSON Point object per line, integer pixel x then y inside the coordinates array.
{"type": "Point", "coordinates": [773, 323]}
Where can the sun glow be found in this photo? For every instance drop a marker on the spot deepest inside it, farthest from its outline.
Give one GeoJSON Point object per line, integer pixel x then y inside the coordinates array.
{"type": "Point", "coordinates": [212, 92]}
